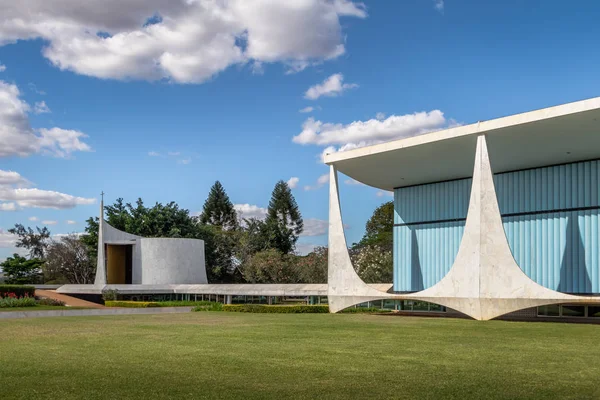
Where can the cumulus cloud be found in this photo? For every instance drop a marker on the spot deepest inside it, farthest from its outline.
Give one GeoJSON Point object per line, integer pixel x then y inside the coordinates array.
{"type": "Point", "coordinates": [439, 6]}
{"type": "Point", "coordinates": [250, 211]}
{"type": "Point", "coordinates": [7, 240]}
{"type": "Point", "coordinates": [49, 222]}
{"type": "Point", "coordinates": [17, 136]}
{"type": "Point", "coordinates": [2, 67]}
{"type": "Point", "coordinates": [13, 192]}
{"type": "Point", "coordinates": [373, 130]}
{"type": "Point", "coordinates": [306, 109]}
{"type": "Point", "coordinates": [351, 181]}
{"type": "Point", "coordinates": [174, 153]}
{"type": "Point", "coordinates": [332, 86]}
{"type": "Point", "coordinates": [41, 107]}
{"type": "Point", "coordinates": [154, 154]}
{"type": "Point", "coordinates": [33, 218]}
{"type": "Point", "coordinates": [178, 40]}
{"type": "Point", "coordinates": [322, 180]}
{"type": "Point", "coordinates": [71, 222]}
{"type": "Point", "coordinates": [8, 207]}
{"type": "Point", "coordinates": [12, 178]}
{"type": "Point", "coordinates": [293, 182]}
{"type": "Point", "coordinates": [315, 227]}
{"type": "Point", "coordinates": [184, 161]}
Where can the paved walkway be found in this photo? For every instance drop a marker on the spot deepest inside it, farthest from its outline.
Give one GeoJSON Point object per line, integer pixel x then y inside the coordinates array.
{"type": "Point", "coordinates": [68, 300]}
{"type": "Point", "coordinates": [93, 312]}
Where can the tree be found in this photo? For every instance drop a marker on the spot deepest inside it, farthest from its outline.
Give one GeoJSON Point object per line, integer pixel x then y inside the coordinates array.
{"type": "Point", "coordinates": [373, 264]}
{"type": "Point", "coordinates": [270, 266]}
{"type": "Point", "coordinates": [68, 257]}
{"type": "Point", "coordinates": [19, 270]}
{"type": "Point", "coordinates": [218, 209]}
{"type": "Point", "coordinates": [284, 222]}
{"type": "Point", "coordinates": [35, 242]}
{"type": "Point", "coordinates": [312, 268]}
{"type": "Point", "coordinates": [379, 228]}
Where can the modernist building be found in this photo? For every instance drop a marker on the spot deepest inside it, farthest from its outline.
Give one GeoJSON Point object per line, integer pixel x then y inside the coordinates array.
{"type": "Point", "coordinates": [490, 218]}
{"type": "Point", "coordinates": [125, 259]}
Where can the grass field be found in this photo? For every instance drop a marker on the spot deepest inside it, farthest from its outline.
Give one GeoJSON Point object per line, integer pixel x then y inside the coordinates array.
{"type": "Point", "coordinates": [295, 356]}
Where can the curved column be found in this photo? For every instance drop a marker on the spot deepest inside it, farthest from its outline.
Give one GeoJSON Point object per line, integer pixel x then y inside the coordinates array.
{"type": "Point", "coordinates": [345, 288]}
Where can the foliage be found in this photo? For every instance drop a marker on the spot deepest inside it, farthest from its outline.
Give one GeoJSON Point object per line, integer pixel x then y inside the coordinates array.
{"type": "Point", "coordinates": [209, 307]}
{"type": "Point", "coordinates": [218, 210]}
{"type": "Point", "coordinates": [12, 300]}
{"type": "Point", "coordinates": [284, 221]}
{"type": "Point", "coordinates": [34, 241]}
{"type": "Point", "coordinates": [373, 264]}
{"type": "Point", "coordinates": [47, 301]}
{"type": "Point", "coordinates": [379, 228]}
{"type": "Point", "coordinates": [18, 290]}
{"type": "Point", "coordinates": [68, 257]}
{"type": "Point", "coordinates": [270, 266]}
{"type": "Point", "coordinates": [18, 270]}
{"type": "Point", "coordinates": [184, 303]}
{"type": "Point", "coordinates": [312, 268]}
{"type": "Point", "coordinates": [131, 304]}
{"type": "Point", "coordinates": [277, 309]}
{"type": "Point", "coordinates": [110, 294]}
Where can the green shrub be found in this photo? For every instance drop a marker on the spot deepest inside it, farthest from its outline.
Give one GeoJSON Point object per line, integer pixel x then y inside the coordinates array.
{"type": "Point", "coordinates": [18, 290]}
{"type": "Point", "coordinates": [359, 310]}
{"type": "Point", "coordinates": [46, 301]}
{"type": "Point", "coordinates": [212, 306]}
{"type": "Point", "coordinates": [185, 303]}
{"type": "Point", "coordinates": [110, 294]}
{"type": "Point", "coordinates": [131, 304]}
{"type": "Point", "coordinates": [261, 308]}
{"type": "Point", "coordinates": [8, 302]}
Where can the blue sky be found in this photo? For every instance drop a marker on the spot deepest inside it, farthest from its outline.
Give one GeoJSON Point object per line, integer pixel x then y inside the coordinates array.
{"type": "Point", "coordinates": [89, 94]}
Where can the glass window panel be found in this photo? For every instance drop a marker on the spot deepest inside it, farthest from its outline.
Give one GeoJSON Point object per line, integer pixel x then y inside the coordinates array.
{"type": "Point", "coordinates": [549, 311]}
{"type": "Point", "coordinates": [573, 311]}
{"type": "Point", "coordinates": [594, 311]}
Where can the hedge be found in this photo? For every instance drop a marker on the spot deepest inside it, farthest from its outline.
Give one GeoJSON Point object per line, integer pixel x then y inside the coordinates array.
{"type": "Point", "coordinates": [18, 290]}
{"type": "Point", "coordinates": [357, 310]}
{"type": "Point", "coordinates": [8, 302]}
{"type": "Point", "coordinates": [260, 308]}
{"type": "Point", "coordinates": [212, 306]}
{"type": "Point", "coordinates": [131, 304]}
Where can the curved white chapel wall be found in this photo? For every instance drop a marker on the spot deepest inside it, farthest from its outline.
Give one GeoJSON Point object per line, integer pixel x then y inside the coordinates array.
{"type": "Point", "coordinates": [170, 261]}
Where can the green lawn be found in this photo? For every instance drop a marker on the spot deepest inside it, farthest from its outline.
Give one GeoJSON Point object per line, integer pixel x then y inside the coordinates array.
{"type": "Point", "coordinates": [295, 356]}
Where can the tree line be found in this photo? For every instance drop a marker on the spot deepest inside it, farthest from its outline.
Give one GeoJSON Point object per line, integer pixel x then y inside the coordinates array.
{"type": "Point", "coordinates": [237, 249]}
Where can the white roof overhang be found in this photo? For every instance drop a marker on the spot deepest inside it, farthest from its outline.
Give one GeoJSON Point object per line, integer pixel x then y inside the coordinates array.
{"type": "Point", "coordinates": [554, 135]}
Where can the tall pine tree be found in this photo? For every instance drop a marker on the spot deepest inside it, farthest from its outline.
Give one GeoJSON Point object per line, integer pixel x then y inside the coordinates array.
{"type": "Point", "coordinates": [284, 222]}
{"type": "Point", "coordinates": [218, 209]}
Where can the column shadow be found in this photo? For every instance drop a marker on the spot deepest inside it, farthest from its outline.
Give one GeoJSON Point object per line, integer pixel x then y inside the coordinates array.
{"type": "Point", "coordinates": [416, 272]}
{"type": "Point", "coordinates": [572, 270]}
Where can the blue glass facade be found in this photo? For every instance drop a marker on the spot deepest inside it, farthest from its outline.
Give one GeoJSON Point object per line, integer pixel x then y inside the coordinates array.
{"type": "Point", "coordinates": [551, 217]}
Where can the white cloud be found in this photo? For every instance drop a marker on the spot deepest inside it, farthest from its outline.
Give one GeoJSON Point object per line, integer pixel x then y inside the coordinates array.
{"type": "Point", "coordinates": [382, 193]}
{"type": "Point", "coordinates": [17, 136]}
{"type": "Point", "coordinates": [174, 153]}
{"type": "Point", "coordinates": [49, 222]}
{"type": "Point", "coordinates": [315, 227]}
{"type": "Point", "coordinates": [184, 161]}
{"type": "Point", "coordinates": [2, 67]}
{"type": "Point", "coordinates": [353, 182]}
{"type": "Point", "coordinates": [332, 86]}
{"type": "Point", "coordinates": [71, 222]}
{"type": "Point", "coordinates": [439, 5]}
{"type": "Point", "coordinates": [293, 182]}
{"type": "Point", "coordinates": [380, 116]}
{"type": "Point", "coordinates": [42, 198]}
{"type": "Point", "coordinates": [153, 154]}
{"type": "Point", "coordinates": [305, 248]}
{"type": "Point", "coordinates": [8, 207]}
{"type": "Point", "coordinates": [40, 107]}
{"type": "Point", "coordinates": [373, 130]}
{"type": "Point", "coordinates": [322, 180]}
{"type": "Point", "coordinates": [250, 211]}
{"type": "Point", "coordinates": [306, 109]}
{"type": "Point", "coordinates": [33, 218]}
{"type": "Point", "coordinates": [188, 41]}
{"type": "Point", "coordinates": [7, 240]}
{"type": "Point", "coordinates": [34, 88]}
{"type": "Point", "coordinates": [12, 178]}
